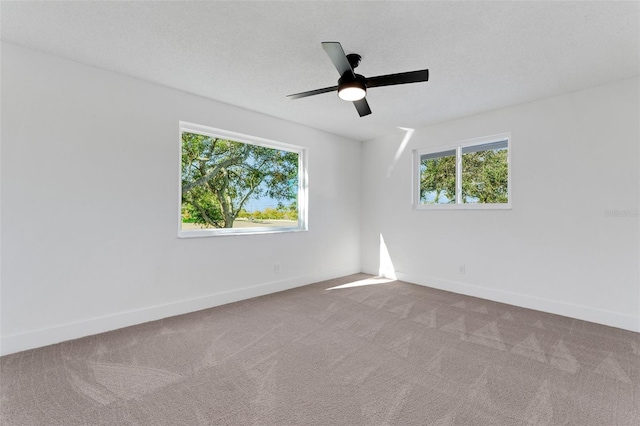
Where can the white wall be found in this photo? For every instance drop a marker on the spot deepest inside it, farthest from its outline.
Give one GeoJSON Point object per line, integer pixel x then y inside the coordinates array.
{"type": "Point", "coordinates": [573, 157]}
{"type": "Point", "coordinates": [90, 163]}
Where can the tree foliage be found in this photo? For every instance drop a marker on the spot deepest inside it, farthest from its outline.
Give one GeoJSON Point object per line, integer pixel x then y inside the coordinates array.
{"type": "Point", "coordinates": [438, 180]}
{"type": "Point", "coordinates": [219, 176]}
{"type": "Point", "coordinates": [484, 178]}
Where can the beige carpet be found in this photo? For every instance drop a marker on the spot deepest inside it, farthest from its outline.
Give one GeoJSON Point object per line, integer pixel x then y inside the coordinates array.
{"type": "Point", "coordinates": [392, 353]}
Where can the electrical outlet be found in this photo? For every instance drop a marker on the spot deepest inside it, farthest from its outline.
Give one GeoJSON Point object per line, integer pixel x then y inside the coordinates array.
{"type": "Point", "coordinates": [276, 268]}
{"type": "Point", "coordinates": [461, 269]}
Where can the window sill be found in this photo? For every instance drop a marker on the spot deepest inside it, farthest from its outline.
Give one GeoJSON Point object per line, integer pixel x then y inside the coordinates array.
{"type": "Point", "coordinates": [200, 233]}
{"type": "Point", "coordinates": [463, 207]}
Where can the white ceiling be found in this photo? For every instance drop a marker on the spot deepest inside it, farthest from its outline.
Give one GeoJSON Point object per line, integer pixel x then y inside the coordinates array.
{"type": "Point", "coordinates": [481, 55]}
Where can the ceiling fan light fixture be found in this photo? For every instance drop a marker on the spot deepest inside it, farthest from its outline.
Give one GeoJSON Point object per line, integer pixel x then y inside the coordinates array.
{"type": "Point", "coordinates": [352, 90]}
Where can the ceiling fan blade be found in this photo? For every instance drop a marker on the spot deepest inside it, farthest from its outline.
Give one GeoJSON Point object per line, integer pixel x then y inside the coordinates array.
{"type": "Point", "coordinates": [400, 78]}
{"type": "Point", "coordinates": [337, 56]}
{"type": "Point", "coordinates": [312, 92]}
{"type": "Point", "coordinates": [363, 107]}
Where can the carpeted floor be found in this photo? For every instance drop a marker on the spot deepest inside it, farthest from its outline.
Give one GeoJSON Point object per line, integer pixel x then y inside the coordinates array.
{"type": "Point", "coordinates": [363, 353]}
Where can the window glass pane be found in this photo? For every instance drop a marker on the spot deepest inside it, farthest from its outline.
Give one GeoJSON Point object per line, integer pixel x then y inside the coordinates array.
{"type": "Point", "coordinates": [485, 173]}
{"type": "Point", "coordinates": [230, 184]}
{"type": "Point", "coordinates": [438, 178]}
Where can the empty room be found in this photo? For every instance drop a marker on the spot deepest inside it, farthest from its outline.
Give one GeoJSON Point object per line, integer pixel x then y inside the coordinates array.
{"type": "Point", "coordinates": [320, 213]}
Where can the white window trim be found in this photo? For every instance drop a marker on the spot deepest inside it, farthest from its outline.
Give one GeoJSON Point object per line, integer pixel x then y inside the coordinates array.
{"type": "Point", "coordinates": [253, 140]}
{"type": "Point", "coordinates": [458, 146]}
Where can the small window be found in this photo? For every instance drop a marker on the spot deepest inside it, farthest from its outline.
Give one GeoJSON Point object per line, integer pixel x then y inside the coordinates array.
{"type": "Point", "coordinates": [237, 184]}
{"type": "Point", "coordinates": [473, 174]}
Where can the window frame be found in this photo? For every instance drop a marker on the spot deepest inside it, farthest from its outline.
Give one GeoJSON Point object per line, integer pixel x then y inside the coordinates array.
{"type": "Point", "coordinates": [252, 140]}
{"type": "Point", "coordinates": [458, 148]}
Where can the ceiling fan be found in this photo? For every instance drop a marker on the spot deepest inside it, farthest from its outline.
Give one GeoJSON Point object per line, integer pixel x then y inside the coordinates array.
{"type": "Point", "coordinates": [353, 87]}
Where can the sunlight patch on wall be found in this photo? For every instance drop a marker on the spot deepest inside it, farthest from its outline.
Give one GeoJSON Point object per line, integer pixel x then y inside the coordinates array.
{"type": "Point", "coordinates": [401, 148]}
{"type": "Point", "coordinates": [386, 265]}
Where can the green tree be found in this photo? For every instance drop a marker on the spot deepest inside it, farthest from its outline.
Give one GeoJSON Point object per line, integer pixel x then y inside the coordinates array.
{"type": "Point", "coordinates": [438, 180]}
{"type": "Point", "coordinates": [219, 176]}
{"type": "Point", "coordinates": [484, 178]}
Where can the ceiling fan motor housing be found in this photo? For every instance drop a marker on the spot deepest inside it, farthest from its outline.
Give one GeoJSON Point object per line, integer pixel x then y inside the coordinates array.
{"type": "Point", "coordinates": [351, 82]}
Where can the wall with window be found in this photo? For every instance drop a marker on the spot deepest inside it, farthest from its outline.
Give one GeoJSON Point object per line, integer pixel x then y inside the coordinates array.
{"type": "Point", "coordinates": [90, 179]}
{"type": "Point", "coordinates": [570, 242]}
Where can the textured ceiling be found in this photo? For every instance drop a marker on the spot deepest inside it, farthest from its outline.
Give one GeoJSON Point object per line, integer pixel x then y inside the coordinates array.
{"type": "Point", "coordinates": [481, 55]}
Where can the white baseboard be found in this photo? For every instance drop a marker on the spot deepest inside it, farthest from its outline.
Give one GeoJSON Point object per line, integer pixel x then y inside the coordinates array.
{"type": "Point", "coordinates": [371, 270]}
{"type": "Point", "coordinates": [586, 313]}
{"type": "Point", "coordinates": [47, 336]}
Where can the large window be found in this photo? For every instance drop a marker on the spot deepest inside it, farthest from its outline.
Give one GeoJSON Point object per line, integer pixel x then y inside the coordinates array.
{"type": "Point", "coordinates": [237, 184]}
{"type": "Point", "coordinates": [469, 174]}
